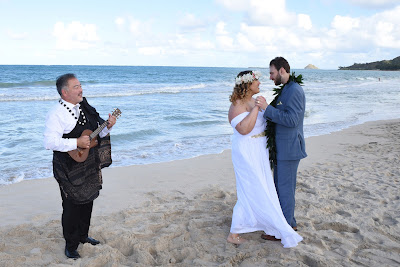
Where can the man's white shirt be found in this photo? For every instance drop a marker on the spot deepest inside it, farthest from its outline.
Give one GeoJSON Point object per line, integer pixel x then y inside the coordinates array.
{"type": "Point", "coordinates": [59, 121]}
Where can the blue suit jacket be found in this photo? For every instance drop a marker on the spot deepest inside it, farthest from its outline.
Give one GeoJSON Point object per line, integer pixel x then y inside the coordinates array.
{"type": "Point", "coordinates": [289, 116]}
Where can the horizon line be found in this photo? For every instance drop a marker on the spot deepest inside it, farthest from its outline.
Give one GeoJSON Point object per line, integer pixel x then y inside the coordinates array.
{"type": "Point", "coordinates": [110, 65]}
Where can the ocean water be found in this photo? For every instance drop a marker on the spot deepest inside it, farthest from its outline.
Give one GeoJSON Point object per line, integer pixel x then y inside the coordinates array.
{"type": "Point", "coordinates": [171, 113]}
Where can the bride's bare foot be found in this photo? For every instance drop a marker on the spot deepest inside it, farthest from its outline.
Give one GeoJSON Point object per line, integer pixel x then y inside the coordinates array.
{"type": "Point", "coordinates": [235, 239]}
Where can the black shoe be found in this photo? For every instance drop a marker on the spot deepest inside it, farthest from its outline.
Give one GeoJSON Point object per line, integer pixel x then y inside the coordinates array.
{"type": "Point", "coordinates": [269, 237]}
{"type": "Point", "coordinates": [72, 254]}
{"type": "Point", "coordinates": [90, 240]}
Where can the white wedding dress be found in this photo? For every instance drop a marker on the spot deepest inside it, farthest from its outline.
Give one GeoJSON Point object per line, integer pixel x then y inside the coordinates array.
{"type": "Point", "coordinates": [257, 207]}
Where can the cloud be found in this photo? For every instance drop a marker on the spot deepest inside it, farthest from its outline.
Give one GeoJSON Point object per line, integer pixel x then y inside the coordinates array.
{"type": "Point", "coordinates": [75, 35]}
{"type": "Point", "coordinates": [345, 24]}
{"type": "Point", "coordinates": [375, 3]}
{"type": "Point", "coordinates": [175, 45]}
{"type": "Point", "coordinates": [120, 22]}
{"type": "Point", "coordinates": [191, 43]}
{"type": "Point", "coordinates": [346, 36]}
{"type": "Point", "coordinates": [17, 36]}
{"type": "Point", "coordinates": [223, 39]}
{"type": "Point", "coordinates": [258, 36]}
{"type": "Point", "coordinates": [313, 44]}
{"type": "Point", "coordinates": [363, 34]}
{"type": "Point", "coordinates": [225, 42]}
{"type": "Point", "coordinates": [151, 51]}
{"type": "Point", "coordinates": [237, 5]}
{"type": "Point", "coordinates": [304, 21]}
{"type": "Point", "coordinates": [134, 26]}
{"type": "Point", "coordinates": [245, 43]}
{"type": "Point", "coordinates": [190, 22]}
{"type": "Point", "coordinates": [220, 28]}
{"type": "Point", "coordinates": [387, 35]}
{"type": "Point", "coordinates": [254, 31]}
{"type": "Point", "coordinates": [262, 12]}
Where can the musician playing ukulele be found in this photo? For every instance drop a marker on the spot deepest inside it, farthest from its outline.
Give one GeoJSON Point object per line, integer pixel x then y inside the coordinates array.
{"type": "Point", "coordinates": [79, 182]}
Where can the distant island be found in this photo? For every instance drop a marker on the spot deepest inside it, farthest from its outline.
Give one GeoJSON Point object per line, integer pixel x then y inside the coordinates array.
{"type": "Point", "coordinates": [393, 64]}
{"type": "Point", "coordinates": [311, 66]}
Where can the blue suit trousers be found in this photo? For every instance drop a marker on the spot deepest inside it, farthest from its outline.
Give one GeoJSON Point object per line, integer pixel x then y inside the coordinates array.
{"type": "Point", "coordinates": [285, 176]}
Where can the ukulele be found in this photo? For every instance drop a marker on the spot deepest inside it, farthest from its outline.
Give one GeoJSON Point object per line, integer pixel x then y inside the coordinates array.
{"type": "Point", "coordinates": [81, 154]}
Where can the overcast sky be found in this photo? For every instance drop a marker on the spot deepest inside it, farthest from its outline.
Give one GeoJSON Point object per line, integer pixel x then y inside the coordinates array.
{"type": "Point", "coordinates": [215, 33]}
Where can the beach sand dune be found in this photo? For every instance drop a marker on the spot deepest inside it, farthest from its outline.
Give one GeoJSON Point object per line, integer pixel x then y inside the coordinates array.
{"type": "Point", "coordinates": [179, 213]}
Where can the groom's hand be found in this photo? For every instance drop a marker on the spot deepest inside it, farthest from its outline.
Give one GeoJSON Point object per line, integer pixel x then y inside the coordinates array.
{"type": "Point", "coordinates": [261, 102]}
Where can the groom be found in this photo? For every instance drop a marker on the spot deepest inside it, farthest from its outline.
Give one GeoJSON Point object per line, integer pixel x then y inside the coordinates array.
{"type": "Point", "coordinates": [288, 116]}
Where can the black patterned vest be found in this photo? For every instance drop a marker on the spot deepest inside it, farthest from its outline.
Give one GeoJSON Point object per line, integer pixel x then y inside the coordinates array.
{"type": "Point", "coordinates": [80, 181]}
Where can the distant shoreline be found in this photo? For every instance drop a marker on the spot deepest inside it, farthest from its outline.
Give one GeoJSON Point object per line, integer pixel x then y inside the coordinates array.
{"type": "Point", "coordinates": [386, 65]}
{"type": "Point", "coordinates": [370, 69]}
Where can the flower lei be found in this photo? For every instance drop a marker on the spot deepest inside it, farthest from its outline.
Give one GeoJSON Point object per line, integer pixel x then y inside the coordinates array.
{"type": "Point", "coordinates": [248, 77]}
{"type": "Point", "coordinates": [270, 130]}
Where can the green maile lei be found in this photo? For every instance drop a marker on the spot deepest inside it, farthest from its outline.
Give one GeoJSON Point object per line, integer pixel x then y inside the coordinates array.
{"type": "Point", "coordinates": [270, 130]}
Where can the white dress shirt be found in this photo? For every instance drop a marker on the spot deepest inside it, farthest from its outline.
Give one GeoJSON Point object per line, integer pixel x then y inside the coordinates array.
{"type": "Point", "coordinates": [59, 121]}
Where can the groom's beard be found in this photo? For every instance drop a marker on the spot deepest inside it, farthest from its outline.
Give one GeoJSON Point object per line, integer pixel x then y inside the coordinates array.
{"type": "Point", "coordinates": [278, 79]}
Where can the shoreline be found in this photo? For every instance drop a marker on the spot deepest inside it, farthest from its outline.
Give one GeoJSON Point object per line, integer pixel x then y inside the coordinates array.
{"type": "Point", "coordinates": [194, 157]}
{"type": "Point", "coordinates": [179, 212]}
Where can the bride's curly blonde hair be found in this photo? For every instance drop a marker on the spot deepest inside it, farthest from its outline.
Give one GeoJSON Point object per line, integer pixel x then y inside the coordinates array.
{"type": "Point", "coordinates": [240, 90]}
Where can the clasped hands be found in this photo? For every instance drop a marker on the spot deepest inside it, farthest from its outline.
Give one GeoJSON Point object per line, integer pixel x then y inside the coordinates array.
{"type": "Point", "coordinates": [261, 102]}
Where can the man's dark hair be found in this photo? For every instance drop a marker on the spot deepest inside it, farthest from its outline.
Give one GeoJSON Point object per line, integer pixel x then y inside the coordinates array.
{"type": "Point", "coordinates": [280, 62]}
{"type": "Point", "coordinates": [62, 81]}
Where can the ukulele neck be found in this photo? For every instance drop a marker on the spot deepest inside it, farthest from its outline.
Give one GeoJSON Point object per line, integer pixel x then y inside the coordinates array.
{"type": "Point", "coordinates": [98, 130]}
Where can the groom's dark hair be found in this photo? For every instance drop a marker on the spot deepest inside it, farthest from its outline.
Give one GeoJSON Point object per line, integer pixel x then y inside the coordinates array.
{"type": "Point", "coordinates": [280, 62]}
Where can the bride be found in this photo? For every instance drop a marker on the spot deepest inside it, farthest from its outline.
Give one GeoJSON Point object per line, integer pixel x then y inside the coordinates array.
{"type": "Point", "coordinates": [257, 207]}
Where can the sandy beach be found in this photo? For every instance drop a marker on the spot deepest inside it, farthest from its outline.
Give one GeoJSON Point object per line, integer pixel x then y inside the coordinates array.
{"type": "Point", "coordinates": [179, 213]}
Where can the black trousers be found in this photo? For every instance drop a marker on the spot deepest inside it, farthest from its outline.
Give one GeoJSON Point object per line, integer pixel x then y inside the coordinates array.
{"type": "Point", "coordinates": [75, 221]}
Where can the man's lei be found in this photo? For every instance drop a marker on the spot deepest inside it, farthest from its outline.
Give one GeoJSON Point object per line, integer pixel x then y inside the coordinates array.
{"type": "Point", "coordinates": [270, 130]}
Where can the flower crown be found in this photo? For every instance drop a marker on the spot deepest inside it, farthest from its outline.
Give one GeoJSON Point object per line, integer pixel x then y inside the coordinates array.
{"type": "Point", "coordinates": [248, 77]}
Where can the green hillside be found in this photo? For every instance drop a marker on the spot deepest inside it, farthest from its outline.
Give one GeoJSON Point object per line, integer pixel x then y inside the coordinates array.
{"type": "Point", "coordinates": [393, 64]}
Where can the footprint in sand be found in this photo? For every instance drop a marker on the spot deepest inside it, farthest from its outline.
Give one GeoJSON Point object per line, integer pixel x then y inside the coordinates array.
{"type": "Point", "coordinates": [336, 226]}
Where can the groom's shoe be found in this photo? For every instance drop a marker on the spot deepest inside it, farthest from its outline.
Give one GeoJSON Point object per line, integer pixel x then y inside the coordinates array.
{"type": "Point", "coordinates": [90, 240]}
{"type": "Point", "coordinates": [295, 228]}
{"type": "Point", "coordinates": [72, 254]}
{"type": "Point", "coordinates": [269, 237]}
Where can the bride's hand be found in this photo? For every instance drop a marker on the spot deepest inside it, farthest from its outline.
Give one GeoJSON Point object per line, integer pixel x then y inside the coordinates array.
{"type": "Point", "coordinates": [261, 102]}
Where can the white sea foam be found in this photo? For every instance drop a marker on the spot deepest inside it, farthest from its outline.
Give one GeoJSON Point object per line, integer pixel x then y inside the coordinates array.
{"type": "Point", "coordinates": [12, 179]}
